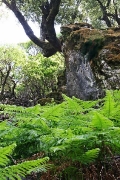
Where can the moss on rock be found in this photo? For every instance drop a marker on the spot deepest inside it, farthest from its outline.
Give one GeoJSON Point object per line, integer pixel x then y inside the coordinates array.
{"type": "Point", "coordinates": [100, 47]}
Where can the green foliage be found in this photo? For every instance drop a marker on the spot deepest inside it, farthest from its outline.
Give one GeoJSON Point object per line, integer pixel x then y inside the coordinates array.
{"type": "Point", "coordinates": [75, 130]}
{"type": "Point", "coordinates": [40, 75]}
{"type": "Point", "coordinates": [111, 106]}
{"type": "Point", "coordinates": [25, 73]}
{"type": "Point", "coordinates": [11, 54]}
{"type": "Point", "coordinates": [101, 122]}
{"type": "Point", "coordinates": [11, 60]}
{"type": "Point", "coordinates": [93, 12]}
{"type": "Point", "coordinates": [72, 11]}
{"type": "Point", "coordinates": [4, 152]}
{"type": "Point", "coordinates": [20, 169]}
{"type": "Point", "coordinates": [67, 14]}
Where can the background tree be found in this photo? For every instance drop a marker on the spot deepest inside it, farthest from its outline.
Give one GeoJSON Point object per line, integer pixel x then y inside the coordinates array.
{"type": "Point", "coordinates": [25, 74]}
{"type": "Point", "coordinates": [101, 13]}
{"type": "Point", "coordinates": [30, 48]}
{"type": "Point", "coordinates": [11, 59]}
{"type": "Point", "coordinates": [39, 74]}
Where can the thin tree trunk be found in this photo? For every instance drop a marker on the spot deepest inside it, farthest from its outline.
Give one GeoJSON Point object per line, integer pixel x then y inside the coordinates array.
{"type": "Point", "coordinates": [5, 80]}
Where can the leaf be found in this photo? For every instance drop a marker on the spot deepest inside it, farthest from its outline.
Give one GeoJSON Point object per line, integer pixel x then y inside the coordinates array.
{"type": "Point", "coordinates": [100, 122]}
{"type": "Point", "coordinates": [109, 104]}
{"type": "Point", "coordinates": [23, 169]}
{"type": "Point", "coordinates": [90, 155]}
{"type": "Point", "coordinates": [4, 152]}
{"type": "Point", "coordinates": [58, 148]}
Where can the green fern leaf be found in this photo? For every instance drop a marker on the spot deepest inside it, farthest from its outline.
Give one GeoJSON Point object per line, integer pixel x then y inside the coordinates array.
{"type": "Point", "coordinates": [21, 170]}
{"type": "Point", "coordinates": [35, 109]}
{"type": "Point", "coordinates": [90, 156]}
{"type": "Point", "coordinates": [4, 152]}
{"type": "Point", "coordinates": [100, 122]}
{"type": "Point", "coordinates": [109, 104]}
{"type": "Point", "coordinates": [58, 148]}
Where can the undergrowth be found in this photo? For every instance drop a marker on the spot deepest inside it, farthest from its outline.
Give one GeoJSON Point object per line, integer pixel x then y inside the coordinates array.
{"type": "Point", "coordinates": [81, 138]}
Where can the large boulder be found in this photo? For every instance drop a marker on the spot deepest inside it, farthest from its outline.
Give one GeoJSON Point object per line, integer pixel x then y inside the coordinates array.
{"type": "Point", "coordinates": [92, 59]}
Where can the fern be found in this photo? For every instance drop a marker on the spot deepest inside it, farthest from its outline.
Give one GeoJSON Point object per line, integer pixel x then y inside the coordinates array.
{"type": "Point", "coordinates": [100, 122]}
{"type": "Point", "coordinates": [23, 169]}
{"type": "Point", "coordinates": [75, 130]}
{"type": "Point", "coordinates": [111, 107]}
{"type": "Point", "coordinates": [19, 170]}
{"type": "Point", "coordinates": [90, 155]}
{"type": "Point", "coordinates": [109, 104]}
{"type": "Point", "coordinates": [76, 148]}
{"type": "Point", "coordinates": [4, 152]}
{"type": "Point", "coordinates": [114, 139]}
{"type": "Point", "coordinates": [116, 96]}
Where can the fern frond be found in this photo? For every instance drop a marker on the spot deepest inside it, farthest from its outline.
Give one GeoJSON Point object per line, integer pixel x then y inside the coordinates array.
{"type": "Point", "coordinates": [4, 153]}
{"type": "Point", "coordinates": [35, 109]}
{"type": "Point", "coordinates": [3, 126]}
{"type": "Point", "coordinates": [116, 95]}
{"type": "Point", "coordinates": [90, 156]}
{"type": "Point", "coordinates": [115, 116]}
{"type": "Point", "coordinates": [114, 139]}
{"type": "Point", "coordinates": [109, 104]}
{"type": "Point", "coordinates": [58, 148]}
{"type": "Point", "coordinates": [85, 104]}
{"type": "Point", "coordinates": [21, 170]}
{"type": "Point", "coordinates": [101, 122]}
{"type": "Point", "coordinates": [72, 103]}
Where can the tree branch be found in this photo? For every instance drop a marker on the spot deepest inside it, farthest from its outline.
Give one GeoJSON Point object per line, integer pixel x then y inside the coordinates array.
{"type": "Point", "coordinates": [105, 16]}
{"type": "Point", "coordinates": [50, 10]}
{"type": "Point", "coordinates": [117, 18]}
{"type": "Point", "coordinates": [108, 3]}
{"type": "Point", "coordinates": [48, 49]}
{"type": "Point", "coordinates": [54, 4]}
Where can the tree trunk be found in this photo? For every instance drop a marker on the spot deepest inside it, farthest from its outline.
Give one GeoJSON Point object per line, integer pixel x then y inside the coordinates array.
{"type": "Point", "coordinates": [13, 88]}
{"type": "Point", "coordinates": [5, 80]}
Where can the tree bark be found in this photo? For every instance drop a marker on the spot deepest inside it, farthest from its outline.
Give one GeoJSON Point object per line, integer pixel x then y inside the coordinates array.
{"type": "Point", "coordinates": [116, 16]}
{"type": "Point", "coordinates": [3, 83]}
{"type": "Point", "coordinates": [49, 11]}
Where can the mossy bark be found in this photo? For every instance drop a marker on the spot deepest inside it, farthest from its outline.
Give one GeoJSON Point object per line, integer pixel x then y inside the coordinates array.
{"type": "Point", "coordinates": [88, 55]}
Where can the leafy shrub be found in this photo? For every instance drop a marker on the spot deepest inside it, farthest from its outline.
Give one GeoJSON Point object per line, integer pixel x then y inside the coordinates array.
{"type": "Point", "coordinates": [73, 134]}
